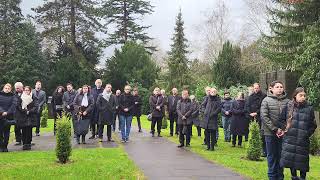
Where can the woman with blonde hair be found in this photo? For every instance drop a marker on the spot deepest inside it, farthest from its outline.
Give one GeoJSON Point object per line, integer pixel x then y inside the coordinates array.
{"type": "Point", "coordinates": [156, 102]}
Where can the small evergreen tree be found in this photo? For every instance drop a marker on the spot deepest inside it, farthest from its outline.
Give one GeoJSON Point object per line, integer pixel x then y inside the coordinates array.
{"type": "Point", "coordinates": [255, 144]}
{"type": "Point", "coordinates": [314, 144]}
{"type": "Point", "coordinates": [44, 117]}
{"type": "Point", "coordinates": [63, 147]}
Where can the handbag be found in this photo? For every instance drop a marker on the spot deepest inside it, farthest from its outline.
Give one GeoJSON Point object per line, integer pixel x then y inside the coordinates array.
{"type": "Point", "coordinates": [59, 107]}
{"type": "Point", "coordinates": [149, 116]}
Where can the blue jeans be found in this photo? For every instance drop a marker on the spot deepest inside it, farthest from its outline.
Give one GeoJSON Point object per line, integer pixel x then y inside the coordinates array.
{"type": "Point", "coordinates": [226, 122]}
{"type": "Point", "coordinates": [274, 147]}
{"type": "Point", "coordinates": [125, 126]}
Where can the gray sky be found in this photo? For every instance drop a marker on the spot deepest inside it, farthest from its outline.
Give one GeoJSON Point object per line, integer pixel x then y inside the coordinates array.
{"type": "Point", "coordinates": [165, 12]}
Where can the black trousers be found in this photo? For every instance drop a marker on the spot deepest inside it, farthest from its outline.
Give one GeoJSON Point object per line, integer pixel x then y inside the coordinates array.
{"type": "Point", "coordinates": [186, 136]}
{"type": "Point", "coordinates": [18, 133]}
{"type": "Point", "coordinates": [100, 131]}
{"type": "Point", "coordinates": [139, 122]}
{"type": "Point", "coordinates": [26, 135]}
{"type": "Point", "coordinates": [114, 122]}
{"type": "Point", "coordinates": [294, 173]}
{"type": "Point", "coordinates": [4, 134]}
{"type": "Point", "coordinates": [173, 120]}
{"type": "Point", "coordinates": [210, 136]}
{"type": "Point", "coordinates": [38, 122]}
{"type": "Point", "coordinates": [199, 130]}
{"type": "Point", "coordinates": [234, 139]}
{"type": "Point", "coordinates": [158, 121]}
{"type": "Point", "coordinates": [94, 128]}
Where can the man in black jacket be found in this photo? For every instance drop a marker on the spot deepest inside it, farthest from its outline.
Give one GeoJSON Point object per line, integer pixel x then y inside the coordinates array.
{"type": "Point", "coordinates": [172, 110]}
{"type": "Point", "coordinates": [252, 109]}
{"type": "Point", "coordinates": [94, 118]}
{"type": "Point", "coordinates": [18, 86]}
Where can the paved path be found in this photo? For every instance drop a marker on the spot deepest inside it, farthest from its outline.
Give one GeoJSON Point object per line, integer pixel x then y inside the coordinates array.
{"type": "Point", "coordinates": [160, 159]}
{"type": "Point", "coordinates": [47, 142]}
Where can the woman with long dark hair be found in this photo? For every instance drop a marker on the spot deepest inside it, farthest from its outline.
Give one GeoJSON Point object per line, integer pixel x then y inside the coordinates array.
{"type": "Point", "coordinates": [239, 123]}
{"type": "Point", "coordinates": [83, 105]}
{"type": "Point", "coordinates": [299, 124]}
{"type": "Point", "coordinates": [7, 108]}
{"type": "Point", "coordinates": [57, 105]}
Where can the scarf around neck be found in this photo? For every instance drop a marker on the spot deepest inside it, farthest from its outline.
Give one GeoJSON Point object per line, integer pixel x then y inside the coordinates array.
{"type": "Point", "coordinates": [26, 100]}
{"type": "Point", "coordinates": [106, 95]}
{"type": "Point", "coordinates": [84, 101]}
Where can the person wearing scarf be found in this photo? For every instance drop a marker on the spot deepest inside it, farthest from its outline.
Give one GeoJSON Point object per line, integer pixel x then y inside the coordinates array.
{"type": "Point", "coordinates": [106, 106]}
{"type": "Point", "coordinates": [26, 115]}
{"type": "Point", "coordinates": [7, 108]}
{"type": "Point", "coordinates": [83, 105]}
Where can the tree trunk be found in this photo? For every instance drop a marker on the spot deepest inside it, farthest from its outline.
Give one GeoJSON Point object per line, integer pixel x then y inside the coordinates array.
{"type": "Point", "coordinates": [125, 21]}
{"type": "Point", "coordinates": [73, 22]}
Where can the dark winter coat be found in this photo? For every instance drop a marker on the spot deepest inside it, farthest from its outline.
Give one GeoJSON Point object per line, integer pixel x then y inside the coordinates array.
{"type": "Point", "coordinates": [184, 108]}
{"type": "Point", "coordinates": [239, 125]}
{"type": "Point", "coordinates": [95, 92]}
{"type": "Point", "coordinates": [7, 104]}
{"type": "Point", "coordinates": [117, 98]}
{"type": "Point", "coordinates": [23, 119]}
{"type": "Point", "coordinates": [295, 144]}
{"type": "Point", "coordinates": [155, 101]}
{"type": "Point", "coordinates": [41, 98]}
{"type": "Point", "coordinates": [212, 108]}
{"type": "Point", "coordinates": [77, 105]}
{"type": "Point", "coordinates": [137, 107]}
{"type": "Point", "coordinates": [106, 109]}
{"type": "Point", "coordinates": [271, 108]}
{"type": "Point", "coordinates": [67, 100]}
{"type": "Point", "coordinates": [172, 104]}
{"type": "Point", "coordinates": [226, 106]}
{"type": "Point", "coordinates": [253, 105]}
{"type": "Point", "coordinates": [126, 101]}
{"type": "Point", "coordinates": [195, 113]}
{"type": "Point", "coordinates": [56, 100]}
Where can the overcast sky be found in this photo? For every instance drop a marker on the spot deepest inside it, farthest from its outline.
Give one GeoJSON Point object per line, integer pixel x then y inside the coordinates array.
{"type": "Point", "coordinates": [165, 12]}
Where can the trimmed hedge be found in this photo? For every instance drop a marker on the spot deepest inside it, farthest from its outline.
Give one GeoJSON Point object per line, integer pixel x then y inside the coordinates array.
{"type": "Point", "coordinates": [255, 143]}
{"type": "Point", "coordinates": [63, 136]}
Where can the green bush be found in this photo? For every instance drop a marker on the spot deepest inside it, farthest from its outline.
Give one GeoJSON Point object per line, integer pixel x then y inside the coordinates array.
{"type": "Point", "coordinates": [255, 148]}
{"type": "Point", "coordinates": [44, 118]}
{"type": "Point", "coordinates": [314, 144]}
{"type": "Point", "coordinates": [63, 147]}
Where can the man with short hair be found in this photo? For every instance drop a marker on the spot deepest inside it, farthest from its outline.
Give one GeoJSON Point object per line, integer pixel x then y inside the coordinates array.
{"type": "Point", "coordinates": [41, 99]}
{"type": "Point", "coordinates": [18, 86]}
{"type": "Point", "coordinates": [116, 114]}
{"type": "Point", "coordinates": [67, 100]}
{"type": "Point", "coordinates": [172, 110]}
{"type": "Point", "coordinates": [95, 115]}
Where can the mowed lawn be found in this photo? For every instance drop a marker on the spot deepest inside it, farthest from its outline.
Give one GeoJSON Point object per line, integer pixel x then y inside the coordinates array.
{"type": "Point", "coordinates": [97, 163]}
{"type": "Point", "coordinates": [233, 157]}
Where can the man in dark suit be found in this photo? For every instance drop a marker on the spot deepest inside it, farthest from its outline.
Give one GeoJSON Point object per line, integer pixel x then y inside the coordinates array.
{"type": "Point", "coordinates": [172, 110]}
{"type": "Point", "coordinates": [95, 115]}
{"type": "Point", "coordinates": [18, 86]}
{"type": "Point", "coordinates": [41, 98]}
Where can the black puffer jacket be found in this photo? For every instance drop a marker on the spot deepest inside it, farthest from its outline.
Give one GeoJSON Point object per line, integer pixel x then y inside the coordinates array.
{"type": "Point", "coordinates": [7, 104]}
{"type": "Point", "coordinates": [295, 147]}
{"type": "Point", "coordinates": [211, 111]}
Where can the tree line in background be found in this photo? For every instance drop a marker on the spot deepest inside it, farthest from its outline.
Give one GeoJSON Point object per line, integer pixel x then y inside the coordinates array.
{"type": "Point", "coordinates": [73, 35]}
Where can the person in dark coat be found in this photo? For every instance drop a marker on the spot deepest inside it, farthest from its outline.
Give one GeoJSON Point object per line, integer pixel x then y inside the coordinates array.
{"type": "Point", "coordinates": [26, 115]}
{"type": "Point", "coordinates": [298, 124]}
{"type": "Point", "coordinates": [156, 103]}
{"type": "Point", "coordinates": [202, 109]}
{"type": "Point", "coordinates": [57, 105]}
{"type": "Point", "coordinates": [172, 110]}
{"type": "Point", "coordinates": [17, 130]}
{"type": "Point", "coordinates": [7, 110]}
{"type": "Point", "coordinates": [271, 109]}
{"type": "Point", "coordinates": [106, 105]}
{"type": "Point", "coordinates": [195, 114]}
{"type": "Point", "coordinates": [137, 107]}
{"type": "Point", "coordinates": [116, 115]}
{"type": "Point", "coordinates": [126, 104]}
{"type": "Point", "coordinates": [184, 111]}
{"type": "Point", "coordinates": [42, 99]}
{"type": "Point", "coordinates": [210, 119]}
{"type": "Point", "coordinates": [67, 101]}
{"type": "Point", "coordinates": [238, 120]}
{"type": "Point", "coordinates": [253, 105]}
{"type": "Point", "coordinates": [95, 92]}
{"type": "Point", "coordinates": [83, 105]}
{"type": "Point", "coordinates": [226, 115]}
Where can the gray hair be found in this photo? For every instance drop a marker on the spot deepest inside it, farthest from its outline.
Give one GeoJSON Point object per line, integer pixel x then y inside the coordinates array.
{"type": "Point", "coordinates": [18, 84]}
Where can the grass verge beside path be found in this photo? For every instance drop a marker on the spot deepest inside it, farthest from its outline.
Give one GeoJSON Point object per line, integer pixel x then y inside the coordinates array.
{"type": "Point", "coordinates": [233, 158]}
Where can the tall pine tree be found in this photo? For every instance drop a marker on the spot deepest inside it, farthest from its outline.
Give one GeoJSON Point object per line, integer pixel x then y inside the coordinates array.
{"type": "Point", "coordinates": [124, 14]}
{"type": "Point", "coordinates": [288, 22]}
{"type": "Point", "coordinates": [177, 60]}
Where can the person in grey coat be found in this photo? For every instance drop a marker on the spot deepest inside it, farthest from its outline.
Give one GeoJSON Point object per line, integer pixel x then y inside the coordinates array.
{"type": "Point", "coordinates": [271, 108]}
{"type": "Point", "coordinates": [106, 106]}
{"type": "Point", "coordinates": [226, 115]}
{"type": "Point", "coordinates": [67, 101]}
{"type": "Point", "coordinates": [184, 111]}
{"type": "Point", "coordinates": [210, 119]}
{"type": "Point", "coordinates": [195, 114]}
{"type": "Point", "coordinates": [41, 98]}
{"type": "Point", "coordinates": [83, 105]}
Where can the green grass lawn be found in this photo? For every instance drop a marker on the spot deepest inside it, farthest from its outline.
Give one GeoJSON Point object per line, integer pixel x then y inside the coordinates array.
{"type": "Point", "coordinates": [233, 158]}
{"type": "Point", "coordinates": [99, 163]}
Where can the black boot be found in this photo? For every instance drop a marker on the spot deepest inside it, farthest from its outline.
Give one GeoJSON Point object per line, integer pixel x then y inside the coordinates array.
{"type": "Point", "coordinates": [159, 135]}
{"type": "Point", "coordinates": [83, 139]}
{"type": "Point", "coordinates": [181, 145]}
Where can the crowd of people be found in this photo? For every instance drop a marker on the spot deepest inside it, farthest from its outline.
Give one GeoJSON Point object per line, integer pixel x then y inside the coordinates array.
{"type": "Point", "coordinates": [285, 125]}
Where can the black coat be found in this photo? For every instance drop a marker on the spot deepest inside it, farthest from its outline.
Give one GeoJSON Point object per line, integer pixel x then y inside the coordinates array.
{"type": "Point", "coordinates": [77, 105]}
{"type": "Point", "coordinates": [126, 101]}
{"type": "Point", "coordinates": [155, 101]}
{"type": "Point", "coordinates": [172, 104]}
{"type": "Point", "coordinates": [253, 104]}
{"type": "Point", "coordinates": [195, 113]}
{"type": "Point", "coordinates": [212, 108]}
{"type": "Point", "coordinates": [7, 104]}
{"type": "Point", "coordinates": [95, 114]}
{"type": "Point", "coordinates": [239, 125]}
{"type": "Point", "coordinates": [226, 105]}
{"type": "Point", "coordinates": [67, 100]}
{"type": "Point", "coordinates": [295, 144]}
{"type": "Point", "coordinates": [23, 119]}
{"type": "Point", "coordinates": [56, 100]}
{"type": "Point", "coordinates": [106, 109]}
{"type": "Point", "coordinates": [137, 107]}
{"type": "Point", "coordinates": [184, 108]}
